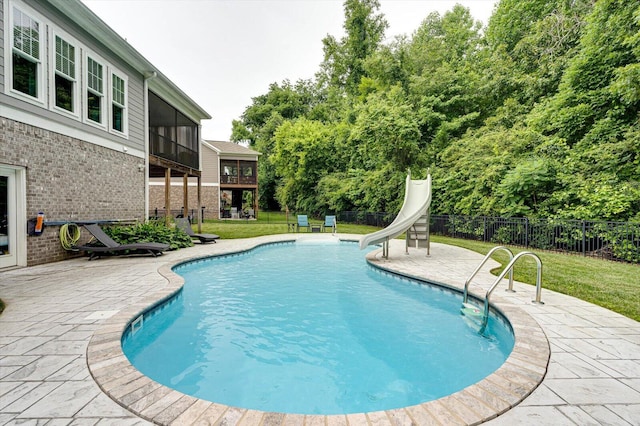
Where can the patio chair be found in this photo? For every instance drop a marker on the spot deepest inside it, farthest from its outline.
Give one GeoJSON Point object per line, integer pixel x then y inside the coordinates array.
{"type": "Point", "coordinates": [111, 247]}
{"type": "Point", "coordinates": [185, 226]}
{"type": "Point", "coordinates": [329, 222]}
{"type": "Point", "coordinates": [303, 222]}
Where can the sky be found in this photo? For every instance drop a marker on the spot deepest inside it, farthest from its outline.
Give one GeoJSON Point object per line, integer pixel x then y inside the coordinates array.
{"type": "Point", "coordinates": [223, 53]}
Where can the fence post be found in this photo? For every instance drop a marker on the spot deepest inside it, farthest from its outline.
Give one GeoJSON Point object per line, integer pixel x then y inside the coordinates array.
{"type": "Point", "coordinates": [584, 238]}
{"type": "Point", "coordinates": [454, 227]}
{"type": "Point", "coordinates": [484, 232]}
{"type": "Point", "coordinates": [526, 232]}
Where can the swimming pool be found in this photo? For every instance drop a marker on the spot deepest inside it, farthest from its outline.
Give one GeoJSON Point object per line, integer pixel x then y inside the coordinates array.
{"type": "Point", "coordinates": [356, 338]}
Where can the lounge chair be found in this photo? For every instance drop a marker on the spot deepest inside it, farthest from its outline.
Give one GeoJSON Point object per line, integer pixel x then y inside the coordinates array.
{"type": "Point", "coordinates": [329, 222]}
{"type": "Point", "coordinates": [303, 222]}
{"type": "Point", "coordinates": [185, 226]}
{"type": "Point", "coordinates": [111, 247]}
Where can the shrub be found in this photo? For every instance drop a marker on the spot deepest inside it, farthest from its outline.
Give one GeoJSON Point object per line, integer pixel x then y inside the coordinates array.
{"type": "Point", "coordinates": [152, 231]}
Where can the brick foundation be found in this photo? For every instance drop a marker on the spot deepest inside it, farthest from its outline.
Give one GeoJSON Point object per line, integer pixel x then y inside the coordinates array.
{"type": "Point", "coordinates": [210, 199]}
{"type": "Point", "coordinates": [70, 180]}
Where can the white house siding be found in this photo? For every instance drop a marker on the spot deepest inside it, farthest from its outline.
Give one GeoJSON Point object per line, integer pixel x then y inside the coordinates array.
{"type": "Point", "coordinates": [210, 164]}
{"type": "Point", "coordinates": [1, 46]}
{"type": "Point", "coordinates": [210, 183]}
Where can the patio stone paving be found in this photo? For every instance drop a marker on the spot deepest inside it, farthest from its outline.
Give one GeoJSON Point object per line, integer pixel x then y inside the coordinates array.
{"type": "Point", "coordinates": [61, 316]}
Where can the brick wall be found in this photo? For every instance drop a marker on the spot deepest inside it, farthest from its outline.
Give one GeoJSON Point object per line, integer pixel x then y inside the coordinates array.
{"type": "Point", "coordinates": [69, 179]}
{"type": "Point", "coordinates": [210, 199]}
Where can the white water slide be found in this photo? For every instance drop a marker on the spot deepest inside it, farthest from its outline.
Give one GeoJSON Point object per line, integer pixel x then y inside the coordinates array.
{"type": "Point", "coordinates": [417, 198]}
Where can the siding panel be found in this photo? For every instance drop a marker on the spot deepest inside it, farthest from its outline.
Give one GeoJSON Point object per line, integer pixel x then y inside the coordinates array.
{"type": "Point", "coordinates": [209, 165]}
{"type": "Point", "coordinates": [1, 47]}
{"type": "Point", "coordinates": [136, 110]}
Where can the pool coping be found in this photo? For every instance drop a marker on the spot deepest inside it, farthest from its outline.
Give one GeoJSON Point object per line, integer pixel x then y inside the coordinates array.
{"type": "Point", "coordinates": [517, 378]}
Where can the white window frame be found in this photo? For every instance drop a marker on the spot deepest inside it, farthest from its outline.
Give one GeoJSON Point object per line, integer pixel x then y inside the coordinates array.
{"type": "Point", "coordinates": [125, 108]}
{"type": "Point", "coordinates": [56, 32]}
{"type": "Point", "coordinates": [41, 79]}
{"type": "Point", "coordinates": [104, 118]}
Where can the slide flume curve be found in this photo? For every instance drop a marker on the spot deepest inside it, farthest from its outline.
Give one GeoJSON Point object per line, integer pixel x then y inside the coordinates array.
{"type": "Point", "coordinates": [417, 198]}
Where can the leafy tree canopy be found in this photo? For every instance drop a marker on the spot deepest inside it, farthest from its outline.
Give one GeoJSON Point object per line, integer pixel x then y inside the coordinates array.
{"type": "Point", "coordinates": [536, 114]}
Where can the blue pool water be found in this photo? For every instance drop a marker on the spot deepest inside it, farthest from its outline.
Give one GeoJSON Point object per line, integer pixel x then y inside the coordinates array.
{"type": "Point", "coordinates": [310, 328]}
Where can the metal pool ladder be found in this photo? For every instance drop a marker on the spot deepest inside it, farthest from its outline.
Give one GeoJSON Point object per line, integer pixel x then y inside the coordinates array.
{"type": "Point", "coordinates": [473, 274]}
{"type": "Point", "coordinates": [508, 269]}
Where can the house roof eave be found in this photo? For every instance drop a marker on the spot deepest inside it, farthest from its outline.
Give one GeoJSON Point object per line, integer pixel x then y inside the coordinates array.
{"type": "Point", "coordinates": [77, 11]}
{"type": "Point", "coordinates": [208, 145]}
{"type": "Point", "coordinates": [237, 150]}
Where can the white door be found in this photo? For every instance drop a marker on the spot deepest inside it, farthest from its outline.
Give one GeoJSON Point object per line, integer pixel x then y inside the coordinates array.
{"type": "Point", "coordinates": [8, 202]}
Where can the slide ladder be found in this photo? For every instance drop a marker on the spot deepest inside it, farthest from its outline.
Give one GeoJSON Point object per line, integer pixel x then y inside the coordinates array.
{"type": "Point", "coordinates": [418, 235]}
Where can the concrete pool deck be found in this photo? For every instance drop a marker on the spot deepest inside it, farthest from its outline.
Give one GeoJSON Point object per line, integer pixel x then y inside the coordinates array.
{"type": "Point", "coordinates": [62, 316]}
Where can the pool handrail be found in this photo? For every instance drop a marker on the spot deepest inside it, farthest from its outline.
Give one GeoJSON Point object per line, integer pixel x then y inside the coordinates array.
{"type": "Point", "coordinates": [485, 317]}
{"type": "Point", "coordinates": [473, 274]}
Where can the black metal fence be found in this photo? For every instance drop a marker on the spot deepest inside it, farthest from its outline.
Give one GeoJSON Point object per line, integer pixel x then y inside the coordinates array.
{"type": "Point", "coordinates": [379, 219]}
{"type": "Point", "coordinates": [607, 240]}
{"type": "Point", "coordinates": [161, 213]}
{"type": "Point", "coordinates": [619, 241]}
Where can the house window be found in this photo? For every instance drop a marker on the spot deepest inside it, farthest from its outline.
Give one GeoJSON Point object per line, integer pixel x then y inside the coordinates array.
{"type": "Point", "coordinates": [65, 74]}
{"type": "Point", "coordinates": [26, 62]}
{"type": "Point", "coordinates": [95, 90]}
{"type": "Point", "coordinates": [118, 103]}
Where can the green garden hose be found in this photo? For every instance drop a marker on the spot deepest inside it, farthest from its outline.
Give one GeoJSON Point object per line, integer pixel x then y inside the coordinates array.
{"type": "Point", "coordinates": [69, 235]}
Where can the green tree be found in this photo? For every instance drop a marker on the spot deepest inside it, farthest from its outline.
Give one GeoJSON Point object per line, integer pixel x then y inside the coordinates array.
{"type": "Point", "coordinates": [595, 112]}
{"type": "Point", "coordinates": [530, 44]}
{"type": "Point", "coordinates": [260, 121]}
{"type": "Point", "coordinates": [303, 154]}
{"type": "Point", "coordinates": [387, 67]}
{"type": "Point", "coordinates": [512, 20]}
{"type": "Point", "coordinates": [470, 171]}
{"type": "Point", "coordinates": [444, 83]}
{"type": "Point", "coordinates": [386, 130]}
{"type": "Point", "coordinates": [526, 186]}
{"type": "Point", "coordinates": [344, 59]}
{"type": "Point", "coordinates": [589, 89]}
{"type": "Point", "coordinates": [537, 115]}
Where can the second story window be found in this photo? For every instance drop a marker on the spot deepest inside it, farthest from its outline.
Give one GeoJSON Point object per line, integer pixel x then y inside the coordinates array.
{"type": "Point", "coordinates": [26, 55]}
{"type": "Point", "coordinates": [47, 67]}
{"type": "Point", "coordinates": [95, 91]}
{"type": "Point", "coordinates": [65, 74]}
{"type": "Point", "coordinates": [118, 104]}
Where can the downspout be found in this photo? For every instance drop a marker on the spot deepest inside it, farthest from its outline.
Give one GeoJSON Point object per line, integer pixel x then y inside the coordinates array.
{"type": "Point", "coordinates": [200, 213]}
{"type": "Point", "coordinates": [147, 76]}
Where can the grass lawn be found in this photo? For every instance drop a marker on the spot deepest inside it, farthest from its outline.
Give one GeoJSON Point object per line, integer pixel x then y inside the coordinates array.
{"type": "Point", "coordinates": [270, 223]}
{"type": "Point", "coordinates": [613, 285]}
